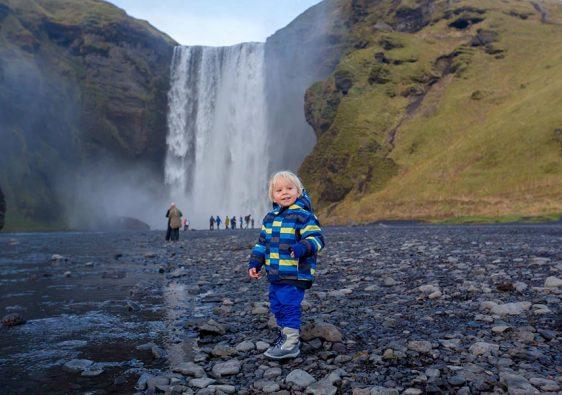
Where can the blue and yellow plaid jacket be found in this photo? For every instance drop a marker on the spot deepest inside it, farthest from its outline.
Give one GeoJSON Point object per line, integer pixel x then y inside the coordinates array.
{"type": "Point", "coordinates": [283, 227]}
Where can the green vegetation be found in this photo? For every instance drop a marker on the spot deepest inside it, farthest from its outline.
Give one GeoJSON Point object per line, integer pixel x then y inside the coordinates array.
{"type": "Point", "coordinates": [461, 116]}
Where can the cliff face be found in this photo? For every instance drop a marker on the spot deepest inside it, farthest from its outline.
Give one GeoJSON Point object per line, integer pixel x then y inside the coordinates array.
{"type": "Point", "coordinates": [440, 109]}
{"type": "Point", "coordinates": [79, 82]}
{"type": "Point", "coordinates": [305, 51]}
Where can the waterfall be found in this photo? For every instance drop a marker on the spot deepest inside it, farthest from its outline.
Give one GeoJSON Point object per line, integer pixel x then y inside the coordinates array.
{"type": "Point", "coordinates": [217, 161]}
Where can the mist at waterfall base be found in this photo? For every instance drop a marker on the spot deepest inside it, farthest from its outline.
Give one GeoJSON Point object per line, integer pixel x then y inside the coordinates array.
{"type": "Point", "coordinates": [109, 190]}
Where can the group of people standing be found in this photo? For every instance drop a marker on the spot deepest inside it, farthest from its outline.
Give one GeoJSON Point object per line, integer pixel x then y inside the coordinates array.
{"type": "Point", "coordinates": [175, 222]}
{"type": "Point", "coordinates": [231, 223]}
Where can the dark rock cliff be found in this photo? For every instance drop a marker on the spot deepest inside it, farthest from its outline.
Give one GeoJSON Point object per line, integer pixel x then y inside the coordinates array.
{"type": "Point", "coordinates": [80, 82]}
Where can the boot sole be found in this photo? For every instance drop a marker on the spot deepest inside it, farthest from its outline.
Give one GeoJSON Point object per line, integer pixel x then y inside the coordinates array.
{"type": "Point", "coordinates": [286, 356]}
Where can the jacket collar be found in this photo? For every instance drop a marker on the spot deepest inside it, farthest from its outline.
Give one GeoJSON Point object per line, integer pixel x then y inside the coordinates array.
{"type": "Point", "coordinates": [303, 202]}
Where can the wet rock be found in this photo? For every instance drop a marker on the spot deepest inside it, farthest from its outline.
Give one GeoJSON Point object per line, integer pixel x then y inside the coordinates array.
{"type": "Point", "coordinates": [223, 350]}
{"type": "Point", "coordinates": [514, 308]}
{"type": "Point", "coordinates": [181, 272]}
{"type": "Point", "coordinates": [326, 385]}
{"type": "Point", "coordinates": [190, 369]}
{"type": "Point", "coordinates": [377, 390]}
{"type": "Point", "coordinates": [92, 371]}
{"type": "Point", "coordinates": [457, 380]}
{"type": "Point", "coordinates": [141, 382]}
{"type": "Point", "coordinates": [58, 258]}
{"type": "Point", "coordinates": [266, 386]}
{"type": "Point", "coordinates": [553, 282]}
{"type": "Point", "coordinates": [260, 308]}
{"type": "Point", "coordinates": [245, 346]}
{"type": "Point", "coordinates": [421, 346]}
{"type": "Point", "coordinates": [389, 281]}
{"type": "Point", "coordinates": [517, 384]}
{"type": "Point", "coordinates": [520, 286]}
{"type": "Point", "coordinates": [322, 330]}
{"type": "Point", "coordinates": [222, 388]}
{"type": "Point", "coordinates": [13, 319]}
{"type": "Point", "coordinates": [157, 382]}
{"type": "Point", "coordinates": [77, 365]}
{"type": "Point", "coordinates": [212, 327]}
{"type": "Point", "coordinates": [157, 352]}
{"type": "Point", "coordinates": [483, 348]}
{"type": "Point", "coordinates": [544, 384]}
{"type": "Point", "coordinates": [261, 346]}
{"type": "Point", "coordinates": [67, 274]}
{"type": "Point", "coordinates": [272, 373]}
{"type": "Point", "coordinates": [501, 328]}
{"type": "Point", "coordinates": [201, 382]}
{"type": "Point", "coordinates": [300, 378]}
{"type": "Point", "coordinates": [227, 368]}
{"type": "Point", "coordinates": [340, 293]}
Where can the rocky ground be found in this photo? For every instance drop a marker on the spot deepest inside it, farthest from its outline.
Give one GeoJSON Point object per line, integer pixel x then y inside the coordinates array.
{"type": "Point", "coordinates": [396, 309]}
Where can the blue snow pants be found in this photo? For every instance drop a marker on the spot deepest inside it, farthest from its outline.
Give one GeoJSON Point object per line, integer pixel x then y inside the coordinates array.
{"type": "Point", "coordinates": [285, 303]}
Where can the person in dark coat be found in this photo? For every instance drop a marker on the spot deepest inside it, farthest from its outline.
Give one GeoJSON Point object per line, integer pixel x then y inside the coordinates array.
{"type": "Point", "coordinates": [174, 223]}
{"type": "Point", "coordinates": [233, 222]}
{"type": "Point", "coordinates": [218, 221]}
{"type": "Point", "coordinates": [211, 223]}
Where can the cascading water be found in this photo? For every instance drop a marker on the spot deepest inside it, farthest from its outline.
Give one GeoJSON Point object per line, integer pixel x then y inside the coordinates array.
{"type": "Point", "coordinates": [217, 161]}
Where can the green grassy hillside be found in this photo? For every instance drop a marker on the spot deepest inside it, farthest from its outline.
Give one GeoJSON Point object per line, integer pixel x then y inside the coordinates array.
{"type": "Point", "coordinates": [441, 111]}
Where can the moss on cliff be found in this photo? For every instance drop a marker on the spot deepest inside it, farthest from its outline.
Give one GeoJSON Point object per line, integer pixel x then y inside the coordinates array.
{"type": "Point", "coordinates": [444, 111]}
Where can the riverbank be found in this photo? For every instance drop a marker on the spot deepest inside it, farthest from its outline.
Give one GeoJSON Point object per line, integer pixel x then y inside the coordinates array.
{"type": "Point", "coordinates": [410, 308]}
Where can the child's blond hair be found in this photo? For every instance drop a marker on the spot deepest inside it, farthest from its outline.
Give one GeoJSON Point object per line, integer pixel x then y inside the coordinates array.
{"type": "Point", "coordinates": [285, 175]}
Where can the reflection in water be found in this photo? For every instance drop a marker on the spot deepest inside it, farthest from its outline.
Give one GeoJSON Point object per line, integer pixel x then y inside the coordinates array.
{"type": "Point", "coordinates": [178, 346]}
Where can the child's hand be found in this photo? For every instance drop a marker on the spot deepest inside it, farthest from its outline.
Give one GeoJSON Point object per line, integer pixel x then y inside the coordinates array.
{"type": "Point", "coordinates": [253, 273]}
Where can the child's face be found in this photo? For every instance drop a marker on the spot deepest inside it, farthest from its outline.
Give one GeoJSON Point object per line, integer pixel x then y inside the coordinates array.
{"type": "Point", "coordinates": [285, 193]}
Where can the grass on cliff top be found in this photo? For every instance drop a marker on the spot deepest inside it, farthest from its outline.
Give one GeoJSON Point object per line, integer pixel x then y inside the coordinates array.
{"type": "Point", "coordinates": [482, 144]}
{"type": "Point", "coordinates": [81, 12]}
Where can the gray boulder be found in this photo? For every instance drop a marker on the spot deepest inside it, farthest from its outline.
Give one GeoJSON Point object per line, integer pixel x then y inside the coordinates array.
{"type": "Point", "coordinates": [322, 330]}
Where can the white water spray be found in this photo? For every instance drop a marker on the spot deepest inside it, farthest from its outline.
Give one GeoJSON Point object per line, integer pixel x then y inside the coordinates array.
{"type": "Point", "coordinates": [217, 162]}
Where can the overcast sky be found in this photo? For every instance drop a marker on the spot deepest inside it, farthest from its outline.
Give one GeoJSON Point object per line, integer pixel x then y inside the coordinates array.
{"type": "Point", "coordinates": [216, 22]}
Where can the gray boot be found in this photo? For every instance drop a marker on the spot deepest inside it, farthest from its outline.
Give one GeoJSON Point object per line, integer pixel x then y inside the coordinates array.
{"type": "Point", "coordinates": [287, 346]}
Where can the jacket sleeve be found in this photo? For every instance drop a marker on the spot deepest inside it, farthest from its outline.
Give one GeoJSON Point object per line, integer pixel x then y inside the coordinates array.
{"type": "Point", "coordinates": [168, 214]}
{"type": "Point", "coordinates": [311, 236]}
{"type": "Point", "coordinates": [257, 259]}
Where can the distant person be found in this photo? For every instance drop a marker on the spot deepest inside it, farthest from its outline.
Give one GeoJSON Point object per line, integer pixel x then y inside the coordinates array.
{"type": "Point", "coordinates": [252, 223]}
{"type": "Point", "coordinates": [212, 223]}
{"type": "Point", "coordinates": [241, 222]}
{"type": "Point", "coordinates": [218, 221]}
{"type": "Point", "coordinates": [185, 224]}
{"type": "Point", "coordinates": [174, 222]}
{"type": "Point", "coordinates": [227, 223]}
{"type": "Point", "coordinates": [233, 222]}
{"type": "Point", "coordinates": [247, 219]}
{"type": "Point", "coordinates": [290, 269]}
